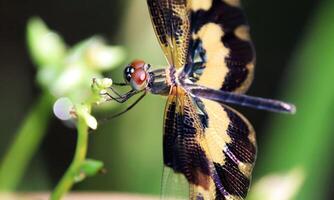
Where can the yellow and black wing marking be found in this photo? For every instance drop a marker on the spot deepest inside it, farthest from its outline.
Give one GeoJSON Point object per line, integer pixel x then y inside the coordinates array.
{"type": "Point", "coordinates": [220, 35]}
{"type": "Point", "coordinates": [217, 30]}
{"type": "Point", "coordinates": [210, 144]}
{"type": "Point", "coordinates": [171, 22]}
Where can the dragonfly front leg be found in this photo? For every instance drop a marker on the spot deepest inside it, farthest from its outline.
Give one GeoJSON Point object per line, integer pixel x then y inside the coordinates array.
{"type": "Point", "coordinates": [121, 98]}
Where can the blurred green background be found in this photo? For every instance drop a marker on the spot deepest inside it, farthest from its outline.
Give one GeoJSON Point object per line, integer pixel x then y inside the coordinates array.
{"type": "Point", "coordinates": [295, 62]}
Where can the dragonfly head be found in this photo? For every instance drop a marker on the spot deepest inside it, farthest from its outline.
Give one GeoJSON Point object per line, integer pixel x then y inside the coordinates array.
{"type": "Point", "coordinates": [136, 74]}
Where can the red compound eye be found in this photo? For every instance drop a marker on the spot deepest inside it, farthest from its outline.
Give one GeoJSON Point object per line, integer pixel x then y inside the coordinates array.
{"type": "Point", "coordinates": [139, 76]}
{"type": "Point", "coordinates": [136, 73]}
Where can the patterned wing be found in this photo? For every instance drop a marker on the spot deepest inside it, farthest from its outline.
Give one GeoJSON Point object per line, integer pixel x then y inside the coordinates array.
{"type": "Point", "coordinates": [231, 145]}
{"type": "Point", "coordinates": [171, 22]}
{"type": "Point", "coordinates": [220, 36]}
{"type": "Point", "coordinates": [181, 148]}
{"type": "Point", "coordinates": [211, 145]}
{"type": "Point", "coordinates": [174, 185]}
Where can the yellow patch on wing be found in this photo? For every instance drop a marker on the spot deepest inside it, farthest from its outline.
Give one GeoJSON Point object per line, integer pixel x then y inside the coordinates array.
{"type": "Point", "coordinates": [201, 5]}
{"type": "Point", "coordinates": [252, 136]}
{"type": "Point", "coordinates": [242, 32]}
{"type": "Point", "coordinates": [233, 197]}
{"type": "Point", "coordinates": [197, 191]}
{"type": "Point", "coordinates": [246, 169]}
{"type": "Point", "coordinates": [181, 36]}
{"type": "Point", "coordinates": [215, 68]}
{"type": "Point", "coordinates": [215, 135]}
{"type": "Point", "coordinates": [235, 3]}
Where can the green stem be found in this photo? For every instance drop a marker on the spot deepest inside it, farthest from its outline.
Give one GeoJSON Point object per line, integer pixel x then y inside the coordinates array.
{"type": "Point", "coordinates": [25, 144]}
{"type": "Point", "coordinates": [68, 179]}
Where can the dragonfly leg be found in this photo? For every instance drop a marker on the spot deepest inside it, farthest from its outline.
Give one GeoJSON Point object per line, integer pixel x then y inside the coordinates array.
{"type": "Point", "coordinates": [121, 98]}
{"type": "Point", "coordinates": [130, 107]}
{"type": "Point", "coordinates": [105, 119]}
{"type": "Point", "coordinates": [121, 84]}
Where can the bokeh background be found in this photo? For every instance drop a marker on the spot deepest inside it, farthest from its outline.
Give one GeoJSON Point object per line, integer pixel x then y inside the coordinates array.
{"type": "Point", "coordinates": [295, 62]}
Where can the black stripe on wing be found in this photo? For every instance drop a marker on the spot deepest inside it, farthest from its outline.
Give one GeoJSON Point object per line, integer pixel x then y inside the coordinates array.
{"type": "Point", "coordinates": [181, 149]}
{"type": "Point", "coordinates": [243, 144]}
{"type": "Point", "coordinates": [212, 145]}
{"type": "Point", "coordinates": [233, 161]}
{"type": "Point", "coordinates": [171, 21]}
{"type": "Point", "coordinates": [238, 54]}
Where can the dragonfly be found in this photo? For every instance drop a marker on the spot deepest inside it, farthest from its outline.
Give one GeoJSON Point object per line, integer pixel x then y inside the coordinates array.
{"type": "Point", "coordinates": [209, 148]}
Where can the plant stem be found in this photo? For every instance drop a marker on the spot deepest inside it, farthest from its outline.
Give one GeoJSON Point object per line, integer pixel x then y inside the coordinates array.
{"type": "Point", "coordinates": [26, 143]}
{"type": "Point", "coordinates": [68, 179]}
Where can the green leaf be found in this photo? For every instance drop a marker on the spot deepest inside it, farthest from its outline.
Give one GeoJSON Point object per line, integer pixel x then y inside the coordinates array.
{"type": "Point", "coordinates": [91, 167]}
{"type": "Point", "coordinates": [88, 168]}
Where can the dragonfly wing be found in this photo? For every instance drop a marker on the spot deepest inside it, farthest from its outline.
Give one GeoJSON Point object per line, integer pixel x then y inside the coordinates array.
{"type": "Point", "coordinates": [171, 22]}
{"type": "Point", "coordinates": [210, 145]}
{"type": "Point", "coordinates": [220, 34]}
{"type": "Point", "coordinates": [174, 186]}
{"type": "Point", "coordinates": [181, 148]}
{"type": "Point", "coordinates": [229, 141]}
